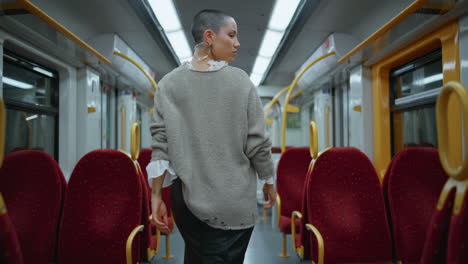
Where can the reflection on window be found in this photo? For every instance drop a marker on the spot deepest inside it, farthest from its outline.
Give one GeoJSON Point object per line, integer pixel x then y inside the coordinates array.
{"type": "Point", "coordinates": [28, 86]}
{"type": "Point", "coordinates": [413, 118]}
{"type": "Point", "coordinates": [26, 130]}
{"type": "Point", "coordinates": [416, 128]}
{"type": "Point", "coordinates": [422, 79]}
{"type": "Point", "coordinates": [29, 91]}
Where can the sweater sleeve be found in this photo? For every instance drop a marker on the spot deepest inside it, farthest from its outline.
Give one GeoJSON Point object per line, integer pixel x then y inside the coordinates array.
{"type": "Point", "coordinates": [258, 147]}
{"type": "Point", "coordinates": [158, 130]}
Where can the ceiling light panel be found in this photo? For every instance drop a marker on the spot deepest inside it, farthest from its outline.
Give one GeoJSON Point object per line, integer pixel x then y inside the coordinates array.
{"type": "Point", "coordinates": [283, 13]}
{"type": "Point", "coordinates": [256, 78]}
{"type": "Point", "coordinates": [270, 43]}
{"type": "Point", "coordinates": [261, 64]}
{"type": "Point", "coordinates": [179, 44]}
{"type": "Point", "coordinates": [167, 16]}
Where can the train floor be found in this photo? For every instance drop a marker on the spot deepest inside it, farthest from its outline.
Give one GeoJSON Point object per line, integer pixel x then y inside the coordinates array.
{"type": "Point", "coordinates": [264, 247]}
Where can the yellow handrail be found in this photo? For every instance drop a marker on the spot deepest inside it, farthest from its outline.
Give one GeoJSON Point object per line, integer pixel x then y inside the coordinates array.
{"type": "Point", "coordinates": [2, 130]}
{"type": "Point", "coordinates": [153, 83]}
{"type": "Point", "coordinates": [135, 140]}
{"type": "Point", "coordinates": [288, 98]}
{"type": "Point", "coordinates": [456, 88]}
{"type": "Point", "coordinates": [320, 243]}
{"type": "Point", "coordinates": [131, 237]}
{"type": "Point", "coordinates": [385, 28]}
{"type": "Point", "coordinates": [273, 102]}
{"type": "Point", "coordinates": [458, 180]}
{"type": "Point", "coordinates": [26, 4]}
{"type": "Point", "coordinates": [313, 139]}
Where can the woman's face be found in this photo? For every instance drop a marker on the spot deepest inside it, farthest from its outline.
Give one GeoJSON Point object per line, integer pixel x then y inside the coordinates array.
{"type": "Point", "coordinates": [224, 44]}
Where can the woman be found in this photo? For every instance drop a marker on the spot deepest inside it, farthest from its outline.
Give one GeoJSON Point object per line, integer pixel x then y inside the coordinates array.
{"type": "Point", "coordinates": [209, 142]}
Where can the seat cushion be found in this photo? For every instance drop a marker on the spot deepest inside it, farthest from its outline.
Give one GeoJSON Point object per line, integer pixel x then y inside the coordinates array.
{"type": "Point", "coordinates": [285, 225]}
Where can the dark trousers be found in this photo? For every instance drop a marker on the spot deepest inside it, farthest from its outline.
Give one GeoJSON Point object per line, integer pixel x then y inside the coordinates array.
{"type": "Point", "coordinates": [203, 243]}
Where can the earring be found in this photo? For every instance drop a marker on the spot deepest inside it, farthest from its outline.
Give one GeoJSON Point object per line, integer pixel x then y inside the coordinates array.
{"type": "Point", "coordinates": [198, 47]}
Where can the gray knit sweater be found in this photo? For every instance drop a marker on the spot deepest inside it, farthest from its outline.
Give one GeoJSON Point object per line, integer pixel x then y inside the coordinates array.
{"type": "Point", "coordinates": [210, 126]}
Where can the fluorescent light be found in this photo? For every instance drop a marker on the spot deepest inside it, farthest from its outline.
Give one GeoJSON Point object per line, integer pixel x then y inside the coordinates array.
{"type": "Point", "coordinates": [31, 117]}
{"type": "Point", "coordinates": [179, 44]}
{"type": "Point", "coordinates": [270, 43]}
{"type": "Point", "coordinates": [166, 14]}
{"type": "Point", "coordinates": [256, 78]}
{"type": "Point", "coordinates": [427, 80]}
{"type": "Point", "coordinates": [40, 70]}
{"type": "Point", "coordinates": [16, 83]}
{"type": "Point", "coordinates": [282, 14]}
{"type": "Point", "coordinates": [261, 65]}
{"type": "Point", "coordinates": [281, 17]}
{"type": "Point", "coordinates": [433, 78]}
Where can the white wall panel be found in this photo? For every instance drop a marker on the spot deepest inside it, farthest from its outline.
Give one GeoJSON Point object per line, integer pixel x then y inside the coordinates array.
{"type": "Point", "coordinates": [88, 111]}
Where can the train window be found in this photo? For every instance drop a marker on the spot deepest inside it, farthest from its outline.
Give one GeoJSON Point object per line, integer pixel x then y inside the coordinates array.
{"type": "Point", "coordinates": [30, 92]}
{"type": "Point", "coordinates": [414, 90]}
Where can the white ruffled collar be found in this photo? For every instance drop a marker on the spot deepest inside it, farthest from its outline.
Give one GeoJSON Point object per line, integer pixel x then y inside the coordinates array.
{"type": "Point", "coordinates": [214, 66]}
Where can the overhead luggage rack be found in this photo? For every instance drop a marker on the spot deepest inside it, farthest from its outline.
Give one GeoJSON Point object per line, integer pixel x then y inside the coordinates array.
{"type": "Point", "coordinates": [79, 47]}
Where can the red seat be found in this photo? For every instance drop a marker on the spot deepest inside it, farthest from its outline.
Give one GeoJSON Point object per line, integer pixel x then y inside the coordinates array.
{"type": "Point", "coordinates": [10, 249]}
{"type": "Point", "coordinates": [102, 207]}
{"type": "Point", "coordinates": [33, 188]}
{"type": "Point", "coordinates": [457, 248]}
{"type": "Point", "coordinates": [345, 204]}
{"type": "Point", "coordinates": [291, 175]}
{"type": "Point", "coordinates": [412, 184]}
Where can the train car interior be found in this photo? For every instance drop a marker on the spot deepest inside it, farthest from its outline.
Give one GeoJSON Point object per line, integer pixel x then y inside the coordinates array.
{"type": "Point", "coordinates": [365, 103]}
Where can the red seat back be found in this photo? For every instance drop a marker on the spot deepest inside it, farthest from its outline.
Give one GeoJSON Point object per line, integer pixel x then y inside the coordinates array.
{"type": "Point", "coordinates": [457, 251]}
{"type": "Point", "coordinates": [415, 178]}
{"type": "Point", "coordinates": [32, 186]}
{"type": "Point", "coordinates": [291, 175]}
{"type": "Point", "coordinates": [435, 244]}
{"type": "Point", "coordinates": [346, 205]}
{"type": "Point", "coordinates": [103, 205]}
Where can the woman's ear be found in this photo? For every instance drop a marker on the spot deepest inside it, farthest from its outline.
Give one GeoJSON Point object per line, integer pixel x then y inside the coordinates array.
{"type": "Point", "coordinates": [209, 36]}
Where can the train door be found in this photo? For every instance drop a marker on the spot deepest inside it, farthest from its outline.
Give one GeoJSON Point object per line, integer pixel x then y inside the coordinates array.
{"type": "Point", "coordinates": [30, 92]}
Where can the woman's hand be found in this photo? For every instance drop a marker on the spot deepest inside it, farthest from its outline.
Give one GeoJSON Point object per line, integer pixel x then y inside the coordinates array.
{"type": "Point", "coordinates": [269, 195]}
{"type": "Point", "coordinates": [160, 214]}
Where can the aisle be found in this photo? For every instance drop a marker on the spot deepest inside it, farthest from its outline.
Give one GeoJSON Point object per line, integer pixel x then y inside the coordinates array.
{"type": "Point", "coordinates": [264, 247]}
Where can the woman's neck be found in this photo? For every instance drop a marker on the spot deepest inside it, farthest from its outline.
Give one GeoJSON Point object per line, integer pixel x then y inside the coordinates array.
{"type": "Point", "coordinates": [200, 59]}
{"type": "Point", "coordinates": [201, 65]}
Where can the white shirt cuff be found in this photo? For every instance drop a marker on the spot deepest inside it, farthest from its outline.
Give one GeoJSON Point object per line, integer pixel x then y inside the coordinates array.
{"type": "Point", "coordinates": [157, 168]}
{"type": "Point", "coordinates": [270, 180]}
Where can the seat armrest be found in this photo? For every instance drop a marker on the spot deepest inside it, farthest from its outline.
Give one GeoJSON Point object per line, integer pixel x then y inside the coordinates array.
{"type": "Point", "coordinates": [130, 239]}
{"type": "Point", "coordinates": [321, 245]}
{"type": "Point", "coordinates": [294, 215]}
{"type": "Point", "coordinates": [278, 207]}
